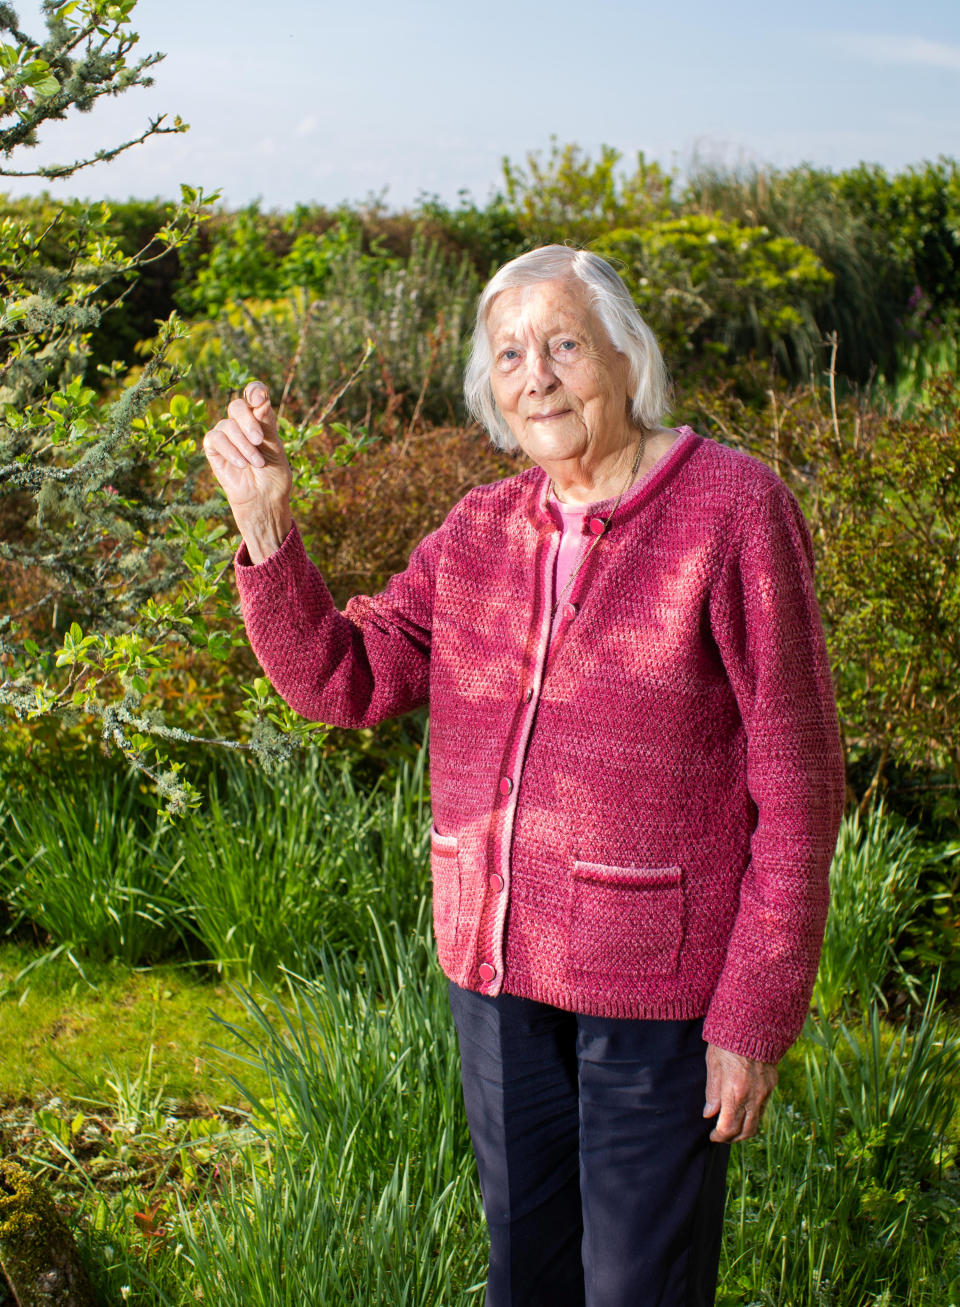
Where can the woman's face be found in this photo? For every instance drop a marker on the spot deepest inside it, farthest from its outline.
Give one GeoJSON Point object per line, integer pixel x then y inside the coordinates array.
{"type": "Point", "coordinates": [558, 381]}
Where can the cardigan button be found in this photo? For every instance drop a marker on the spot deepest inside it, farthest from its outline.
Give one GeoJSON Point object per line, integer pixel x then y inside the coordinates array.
{"type": "Point", "coordinates": [496, 881]}
{"type": "Point", "coordinates": [528, 694]}
{"type": "Point", "coordinates": [506, 785]}
{"type": "Point", "coordinates": [487, 972]}
{"type": "Point", "coordinates": [569, 611]}
{"type": "Point", "coordinates": [596, 526]}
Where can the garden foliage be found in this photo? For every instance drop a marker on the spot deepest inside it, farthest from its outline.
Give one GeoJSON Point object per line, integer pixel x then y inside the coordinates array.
{"type": "Point", "coordinates": [113, 566]}
{"type": "Point", "coordinates": [714, 290]}
{"type": "Point", "coordinates": [310, 333]}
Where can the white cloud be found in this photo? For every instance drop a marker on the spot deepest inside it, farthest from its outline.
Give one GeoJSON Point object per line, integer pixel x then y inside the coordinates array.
{"type": "Point", "coordinates": [915, 51]}
{"type": "Point", "coordinates": [306, 126]}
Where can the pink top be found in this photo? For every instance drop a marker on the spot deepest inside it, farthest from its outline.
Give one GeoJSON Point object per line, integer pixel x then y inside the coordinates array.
{"type": "Point", "coordinates": [580, 524]}
{"type": "Point", "coordinates": [636, 817]}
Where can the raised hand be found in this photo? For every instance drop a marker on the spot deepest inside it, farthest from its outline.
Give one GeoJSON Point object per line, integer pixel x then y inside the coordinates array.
{"type": "Point", "coordinates": [247, 458]}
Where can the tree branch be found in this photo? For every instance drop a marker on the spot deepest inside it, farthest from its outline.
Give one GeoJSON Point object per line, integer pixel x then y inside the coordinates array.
{"type": "Point", "coordinates": [55, 171]}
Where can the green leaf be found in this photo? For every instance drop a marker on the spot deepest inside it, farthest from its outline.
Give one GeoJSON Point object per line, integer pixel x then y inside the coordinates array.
{"type": "Point", "coordinates": [219, 645]}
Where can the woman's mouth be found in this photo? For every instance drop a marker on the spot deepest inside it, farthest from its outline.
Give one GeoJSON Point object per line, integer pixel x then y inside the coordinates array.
{"type": "Point", "coordinates": [549, 417]}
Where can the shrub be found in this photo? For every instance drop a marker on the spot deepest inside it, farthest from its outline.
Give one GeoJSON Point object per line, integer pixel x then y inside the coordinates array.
{"type": "Point", "coordinates": [110, 496]}
{"type": "Point", "coordinates": [255, 256]}
{"type": "Point", "coordinates": [711, 289]}
{"type": "Point", "coordinates": [418, 316]}
{"type": "Point", "coordinates": [884, 240]}
{"type": "Point", "coordinates": [412, 483]}
{"type": "Point", "coordinates": [571, 197]}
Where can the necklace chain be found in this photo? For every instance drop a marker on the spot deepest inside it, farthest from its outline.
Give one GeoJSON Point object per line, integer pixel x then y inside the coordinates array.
{"type": "Point", "coordinates": [597, 538]}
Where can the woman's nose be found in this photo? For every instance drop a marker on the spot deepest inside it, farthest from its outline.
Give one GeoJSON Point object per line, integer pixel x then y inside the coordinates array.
{"type": "Point", "coordinates": [541, 378]}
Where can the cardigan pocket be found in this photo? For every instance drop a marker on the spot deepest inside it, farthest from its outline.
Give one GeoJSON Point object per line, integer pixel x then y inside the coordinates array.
{"type": "Point", "coordinates": [625, 921]}
{"type": "Point", "coordinates": [445, 870]}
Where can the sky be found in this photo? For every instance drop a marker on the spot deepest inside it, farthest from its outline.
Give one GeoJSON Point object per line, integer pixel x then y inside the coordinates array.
{"type": "Point", "coordinates": [300, 101]}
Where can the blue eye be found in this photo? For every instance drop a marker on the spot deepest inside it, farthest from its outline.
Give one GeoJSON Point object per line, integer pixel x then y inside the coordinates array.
{"type": "Point", "coordinates": [568, 344]}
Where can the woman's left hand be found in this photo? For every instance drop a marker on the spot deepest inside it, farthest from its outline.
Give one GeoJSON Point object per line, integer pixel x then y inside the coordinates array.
{"type": "Point", "coordinates": [738, 1088]}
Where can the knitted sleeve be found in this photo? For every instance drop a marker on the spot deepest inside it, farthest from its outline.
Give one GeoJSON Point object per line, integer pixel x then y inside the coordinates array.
{"type": "Point", "coordinates": [352, 668]}
{"type": "Point", "coordinates": [766, 623]}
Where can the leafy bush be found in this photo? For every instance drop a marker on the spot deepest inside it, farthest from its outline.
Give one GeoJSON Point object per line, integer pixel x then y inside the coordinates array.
{"type": "Point", "coordinates": [571, 197]}
{"type": "Point", "coordinates": [97, 501]}
{"type": "Point", "coordinates": [417, 315]}
{"type": "Point", "coordinates": [413, 482]}
{"type": "Point", "coordinates": [711, 288]}
{"type": "Point", "coordinates": [884, 239]}
{"type": "Point", "coordinates": [885, 502]}
{"type": "Point", "coordinates": [138, 302]}
{"type": "Point", "coordinates": [489, 236]}
{"type": "Point", "coordinates": [257, 256]}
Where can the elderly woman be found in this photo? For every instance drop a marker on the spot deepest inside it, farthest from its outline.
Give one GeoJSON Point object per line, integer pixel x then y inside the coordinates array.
{"type": "Point", "coordinates": [636, 778]}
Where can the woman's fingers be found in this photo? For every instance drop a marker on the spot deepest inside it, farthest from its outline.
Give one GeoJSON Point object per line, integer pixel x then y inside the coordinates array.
{"type": "Point", "coordinates": [246, 441]}
{"type": "Point", "coordinates": [714, 1080]}
{"type": "Point", "coordinates": [255, 414]}
{"type": "Point", "coordinates": [249, 431]}
{"type": "Point", "coordinates": [238, 446]}
{"type": "Point", "coordinates": [247, 457]}
{"type": "Point", "coordinates": [738, 1088]}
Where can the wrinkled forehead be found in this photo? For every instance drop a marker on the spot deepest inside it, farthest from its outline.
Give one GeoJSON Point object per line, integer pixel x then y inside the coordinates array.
{"type": "Point", "coordinates": [540, 308]}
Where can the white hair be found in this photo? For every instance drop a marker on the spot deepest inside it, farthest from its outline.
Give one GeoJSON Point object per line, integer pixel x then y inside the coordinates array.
{"type": "Point", "coordinates": [628, 333]}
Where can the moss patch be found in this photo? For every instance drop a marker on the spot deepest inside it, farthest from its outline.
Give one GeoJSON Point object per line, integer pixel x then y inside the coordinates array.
{"type": "Point", "coordinates": [75, 1037]}
{"type": "Point", "coordinates": [37, 1252]}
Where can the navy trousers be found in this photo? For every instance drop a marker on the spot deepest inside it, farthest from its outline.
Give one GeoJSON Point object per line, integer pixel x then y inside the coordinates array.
{"type": "Point", "coordinates": [601, 1187]}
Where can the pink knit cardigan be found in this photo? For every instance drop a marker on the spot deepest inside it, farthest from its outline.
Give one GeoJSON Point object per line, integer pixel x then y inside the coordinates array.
{"type": "Point", "coordinates": [653, 841]}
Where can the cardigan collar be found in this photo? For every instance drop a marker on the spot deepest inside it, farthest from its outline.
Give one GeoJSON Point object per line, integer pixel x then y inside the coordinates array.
{"type": "Point", "coordinates": [537, 505]}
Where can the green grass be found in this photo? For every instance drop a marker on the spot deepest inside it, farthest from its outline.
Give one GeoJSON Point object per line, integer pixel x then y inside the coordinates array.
{"type": "Point", "coordinates": [65, 1034]}
{"type": "Point", "coordinates": [874, 897]}
{"type": "Point", "coordinates": [366, 1190]}
{"type": "Point", "coordinates": [851, 1192]}
{"type": "Point", "coordinates": [82, 864]}
{"type": "Point", "coordinates": [281, 865]}
{"type": "Point", "coordinates": [275, 867]}
{"type": "Point", "coordinates": [302, 1139]}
